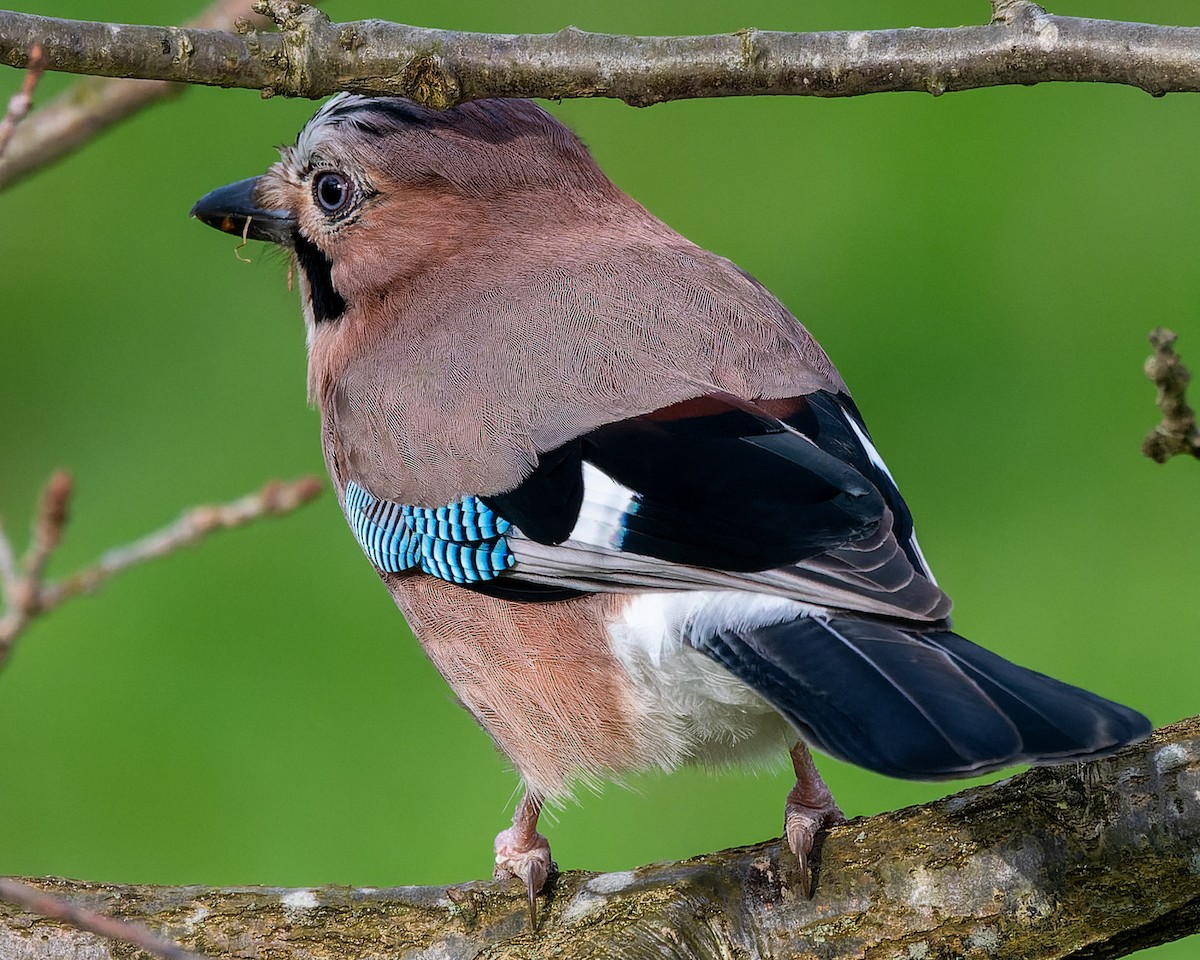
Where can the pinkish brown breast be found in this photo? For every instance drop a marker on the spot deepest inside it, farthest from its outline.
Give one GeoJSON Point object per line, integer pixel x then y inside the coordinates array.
{"type": "Point", "coordinates": [540, 678]}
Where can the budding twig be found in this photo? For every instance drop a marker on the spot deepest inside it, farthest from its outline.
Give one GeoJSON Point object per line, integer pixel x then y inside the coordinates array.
{"type": "Point", "coordinates": [1177, 433]}
{"type": "Point", "coordinates": [22, 100]}
{"type": "Point", "coordinates": [27, 594]}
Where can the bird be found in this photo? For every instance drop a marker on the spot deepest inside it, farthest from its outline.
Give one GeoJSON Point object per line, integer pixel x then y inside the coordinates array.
{"type": "Point", "coordinates": [619, 492]}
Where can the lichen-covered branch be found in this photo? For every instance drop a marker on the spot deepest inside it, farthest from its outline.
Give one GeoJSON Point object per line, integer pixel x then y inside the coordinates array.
{"type": "Point", "coordinates": [311, 57]}
{"type": "Point", "coordinates": [40, 903]}
{"type": "Point", "coordinates": [26, 592]}
{"type": "Point", "coordinates": [1095, 860]}
{"type": "Point", "coordinates": [1176, 432]}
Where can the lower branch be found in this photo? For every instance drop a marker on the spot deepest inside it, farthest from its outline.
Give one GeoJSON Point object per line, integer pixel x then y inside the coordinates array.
{"type": "Point", "coordinates": [39, 903]}
{"type": "Point", "coordinates": [1089, 860]}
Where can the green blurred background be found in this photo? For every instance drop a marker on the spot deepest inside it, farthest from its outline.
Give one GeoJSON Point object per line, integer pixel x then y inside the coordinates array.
{"type": "Point", "coordinates": [983, 267]}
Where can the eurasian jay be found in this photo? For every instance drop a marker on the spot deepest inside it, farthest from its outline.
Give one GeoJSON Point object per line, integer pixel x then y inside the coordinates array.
{"type": "Point", "coordinates": [619, 492]}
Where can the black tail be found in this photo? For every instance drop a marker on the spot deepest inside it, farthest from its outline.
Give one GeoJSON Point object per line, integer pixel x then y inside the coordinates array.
{"type": "Point", "coordinates": [919, 705]}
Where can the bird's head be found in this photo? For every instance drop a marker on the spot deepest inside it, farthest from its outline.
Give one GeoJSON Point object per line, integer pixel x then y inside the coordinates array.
{"type": "Point", "coordinates": [378, 191]}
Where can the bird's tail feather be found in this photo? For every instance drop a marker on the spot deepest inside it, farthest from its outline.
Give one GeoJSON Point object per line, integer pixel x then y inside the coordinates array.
{"type": "Point", "coordinates": [922, 705]}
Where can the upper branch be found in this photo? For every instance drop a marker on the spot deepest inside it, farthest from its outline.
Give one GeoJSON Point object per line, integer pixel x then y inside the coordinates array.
{"type": "Point", "coordinates": [312, 57]}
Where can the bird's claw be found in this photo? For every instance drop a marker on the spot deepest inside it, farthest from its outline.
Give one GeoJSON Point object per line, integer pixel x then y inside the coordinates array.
{"type": "Point", "coordinates": [801, 825]}
{"type": "Point", "coordinates": [530, 862]}
{"type": "Point", "coordinates": [535, 879]}
{"type": "Point", "coordinates": [805, 875]}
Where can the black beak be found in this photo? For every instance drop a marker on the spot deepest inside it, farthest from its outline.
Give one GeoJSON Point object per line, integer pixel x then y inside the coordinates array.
{"type": "Point", "coordinates": [231, 208]}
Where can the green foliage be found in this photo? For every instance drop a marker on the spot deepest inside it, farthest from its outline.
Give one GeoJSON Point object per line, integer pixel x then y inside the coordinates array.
{"type": "Point", "coordinates": [983, 267]}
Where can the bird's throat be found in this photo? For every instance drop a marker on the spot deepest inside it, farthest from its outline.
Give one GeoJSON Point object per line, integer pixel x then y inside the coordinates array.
{"type": "Point", "coordinates": [317, 268]}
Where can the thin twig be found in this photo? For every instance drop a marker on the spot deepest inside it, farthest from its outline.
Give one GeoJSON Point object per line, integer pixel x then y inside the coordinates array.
{"type": "Point", "coordinates": [26, 593]}
{"type": "Point", "coordinates": [22, 582]}
{"type": "Point", "coordinates": [8, 565]}
{"type": "Point", "coordinates": [110, 928]}
{"type": "Point", "coordinates": [48, 529]}
{"type": "Point", "coordinates": [1177, 433]}
{"type": "Point", "coordinates": [22, 100]}
{"type": "Point", "coordinates": [92, 105]}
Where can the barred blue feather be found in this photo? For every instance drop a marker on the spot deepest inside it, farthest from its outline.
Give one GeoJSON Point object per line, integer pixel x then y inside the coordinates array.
{"type": "Point", "coordinates": [462, 543]}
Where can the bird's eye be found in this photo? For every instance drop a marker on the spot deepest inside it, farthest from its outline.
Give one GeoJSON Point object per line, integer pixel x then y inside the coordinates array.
{"type": "Point", "coordinates": [332, 191]}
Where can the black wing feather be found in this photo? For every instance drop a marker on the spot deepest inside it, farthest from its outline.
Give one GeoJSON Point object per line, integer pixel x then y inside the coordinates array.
{"type": "Point", "coordinates": [546, 504]}
{"type": "Point", "coordinates": [712, 484]}
{"type": "Point", "coordinates": [918, 705]}
{"type": "Point", "coordinates": [824, 418]}
{"type": "Point", "coordinates": [729, 491]}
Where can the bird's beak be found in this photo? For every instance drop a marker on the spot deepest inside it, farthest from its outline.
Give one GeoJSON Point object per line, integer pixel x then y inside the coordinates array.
{"type": "Point", "coordinates": [232, 209]}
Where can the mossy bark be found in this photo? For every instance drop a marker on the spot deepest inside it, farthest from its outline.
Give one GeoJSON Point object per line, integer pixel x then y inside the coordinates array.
{"type": "Point", "coordinates": [1081, 860]}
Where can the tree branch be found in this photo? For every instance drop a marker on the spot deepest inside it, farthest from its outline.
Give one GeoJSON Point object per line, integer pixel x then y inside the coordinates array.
{"type": "Point", "coordinates": [1094, 860]}
{"type": "Point", "coordinates": [312, 57]}
{"type": "Point", "coordinates": [27, 595]}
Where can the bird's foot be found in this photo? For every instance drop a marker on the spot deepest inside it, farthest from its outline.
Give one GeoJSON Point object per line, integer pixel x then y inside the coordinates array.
{"type": "Point", "coordinates": [800, 825]}
{"type": "Point", "coordinates": [527, 858]}
{"type": "Point", "coordinates": [524, 853]}
{"type": "Point", "coordinates": [810, 806]}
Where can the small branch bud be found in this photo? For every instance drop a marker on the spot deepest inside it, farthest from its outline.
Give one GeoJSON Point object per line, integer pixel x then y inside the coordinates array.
{"type": "Point", "coordinates": [1177, 433]}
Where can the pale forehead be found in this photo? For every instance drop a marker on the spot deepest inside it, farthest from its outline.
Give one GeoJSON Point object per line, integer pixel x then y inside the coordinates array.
{"type": "Point", "coordinates": [329, 109]}
{"type": "Point", "coordinates": [319, 123]}
{"type": "Point", "coordinates": [493, 121]}
{"type": "Point", "coordinates": [374, 116]}
{"type": "Point", "coordinates": [477, 147]}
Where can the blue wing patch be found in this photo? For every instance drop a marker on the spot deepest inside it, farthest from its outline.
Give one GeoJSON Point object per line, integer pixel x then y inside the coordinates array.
{"type": "Point", "coordinates": [461, 543]}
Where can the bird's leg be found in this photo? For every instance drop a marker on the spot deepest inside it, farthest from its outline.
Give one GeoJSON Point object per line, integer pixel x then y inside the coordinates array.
{"type": "Point", "coordinates": [523, 852]}
{"type": "Point", "coordinates": [810, 806]}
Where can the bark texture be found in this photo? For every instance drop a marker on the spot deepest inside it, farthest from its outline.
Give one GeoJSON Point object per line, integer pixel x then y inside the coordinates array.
{"type": "Point", "coordinates": [311, 57]}
{"type": "Point", "coordinates": [1094, 860]}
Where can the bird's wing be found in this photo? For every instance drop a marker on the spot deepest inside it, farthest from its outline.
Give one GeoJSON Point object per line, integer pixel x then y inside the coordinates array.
{"type": "Point", "coordinates": [918, 704]}
{"type": "Point", "coordinates": [716, 499]}
{"type": "Point", "coordinates": [712, 492]}
{"type": "Point", "coordinates": [718, 492]}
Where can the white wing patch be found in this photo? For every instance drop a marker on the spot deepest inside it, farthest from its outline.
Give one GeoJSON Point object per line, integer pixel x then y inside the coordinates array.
{"type": "Point", "coordinates": [869, 447]}
{"type": "Point", "coordinates": [605, 505]}
{"type": "Point", "coordinates": [877, 460]}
